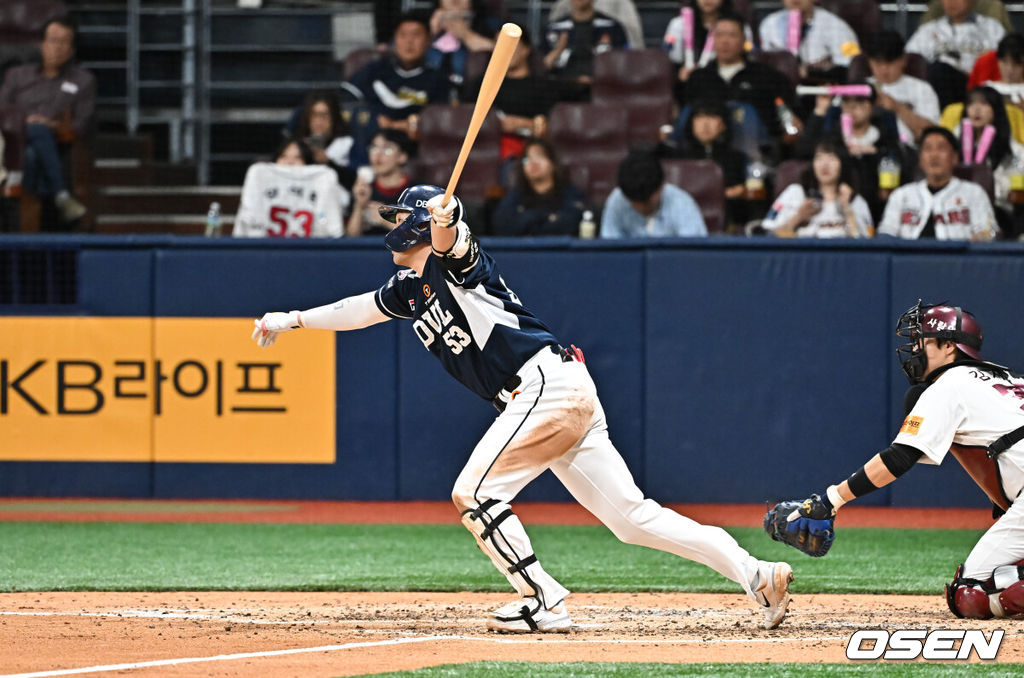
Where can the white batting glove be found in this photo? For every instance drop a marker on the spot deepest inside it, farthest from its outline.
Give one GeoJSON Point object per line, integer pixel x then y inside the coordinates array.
{"type": "Point", "coordinates": [446, 216]}
{"type": "Point", "coordinates": [273, 324]}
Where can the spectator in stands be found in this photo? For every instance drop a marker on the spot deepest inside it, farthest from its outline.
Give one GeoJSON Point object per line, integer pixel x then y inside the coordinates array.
{"type": "Point", "coordinates": [388, 176]}
{"type": "Point", "coordinates": [574, 40]}
{"type": "Point", "coordinates": [390, 92]}
{"type": "Point", "coordinates": [951, 44]}
{"type": "Point", "coordinates": [1003, 64]}
{"type": "Point", "coordinates": [872, 136]}
{"type": "Point", "coordinates": [708, 136]}
{"type": "Point", "coordinates": [912, 100]}
{"type": "Point", "coordinates": [522, 103]}
{"type": "Point", "coordinates": [992, 8]}
{"type": "Point", "coordinates": [825, 42]}
{"type": "Point", "coordinates": [705, 14]}
{"type": "Point", "coordinates": [542, 202]}
{"type": "Point", "coordinates": [324, 131]}
{"type": "Point", "coordinates": [458, 27]}
{"type": "Point", "coordinates": [940, 206]}
{"type": "Point", "coordinates": [292, 197]}
{"type": "Point", "coordinates": [984, 106]}
{"type": "Point", "coordinates": [623, 11]}
{"type": "Point", "coordinates": [825, 204]}
{"type": "Point", "coordinates": [732, 77]}
{"type": "Point", "coordinates": [58, 99]}
{"type": "Point", "coordinates": [643, 205]}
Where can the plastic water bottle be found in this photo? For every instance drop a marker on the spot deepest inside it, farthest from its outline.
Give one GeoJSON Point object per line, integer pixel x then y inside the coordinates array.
{"type": "Point", "coordinates": [588, 229]}
{"type": "Point", "coordinates": [888, 176]}
{"type": "Point", "coordinates": [786, 117]}
{"type": "Point", "coordinates": [213, 221]}
{"type": "Point", "coordinates": [754, 184]}
{"type": "Point", "coordinates": [1016, 195]}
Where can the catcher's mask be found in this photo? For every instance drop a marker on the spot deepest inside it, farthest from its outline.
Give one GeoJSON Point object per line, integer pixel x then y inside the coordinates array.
{"type": "Point", "coordinates": [416, 227]}
{"type": "Point", "coordinates": [945, 323]}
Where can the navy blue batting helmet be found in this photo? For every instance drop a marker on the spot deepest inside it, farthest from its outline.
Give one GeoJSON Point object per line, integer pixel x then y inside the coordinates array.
{"type": "Point", "coordinates": [416, 227]}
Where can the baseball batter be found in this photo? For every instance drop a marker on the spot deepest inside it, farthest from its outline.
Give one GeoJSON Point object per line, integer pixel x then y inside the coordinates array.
{"type": "Point", "coordinates": [962, 405]}
{"type": "Point", "coordinates": [550, 416]}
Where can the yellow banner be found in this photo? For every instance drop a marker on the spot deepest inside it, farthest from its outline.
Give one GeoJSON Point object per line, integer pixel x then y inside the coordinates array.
{"type": "Point", "coordinates": [163, 389]}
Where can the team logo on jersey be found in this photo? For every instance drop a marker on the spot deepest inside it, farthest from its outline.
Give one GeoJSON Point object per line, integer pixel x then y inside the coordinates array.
{"type": "Point", "coordinates": [912, 425]}
{"type": "Point", "coordinates": [426, 290]}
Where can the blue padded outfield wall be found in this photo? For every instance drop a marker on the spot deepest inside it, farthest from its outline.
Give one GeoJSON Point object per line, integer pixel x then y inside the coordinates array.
{"type": "Point", "coordinates": [731, 370]}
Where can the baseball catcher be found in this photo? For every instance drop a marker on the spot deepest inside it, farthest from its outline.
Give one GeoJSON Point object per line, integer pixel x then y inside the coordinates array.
{"type": "Point", "coordinates": [549, 415]}
{"type": "Point", "coordinates": [957, 404]}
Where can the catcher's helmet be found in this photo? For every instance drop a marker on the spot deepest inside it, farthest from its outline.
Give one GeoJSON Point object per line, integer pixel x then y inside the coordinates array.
{"type": "Point", "coordinates": [416, 227]}
{"type": "Point", "coordinates": [946, 323]}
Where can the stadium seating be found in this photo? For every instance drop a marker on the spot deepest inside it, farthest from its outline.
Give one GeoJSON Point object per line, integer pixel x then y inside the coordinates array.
{"type": "Point", "coordinates": [356, 59]}
{"type": "Point", "coordinates": [782, 61]}
{"type": "Point", "coordinates": [979, 174]}
{"type": "Point", "coordinates": [704, 181]}
{"type": "Point", "coordinates": [788, 172]}
{"type": "Point", "coordinates": [639, 80]}
{"type": "Point", "coordinates": [442, 129]}
{"type": "Point", "coordinates": [591, 135]}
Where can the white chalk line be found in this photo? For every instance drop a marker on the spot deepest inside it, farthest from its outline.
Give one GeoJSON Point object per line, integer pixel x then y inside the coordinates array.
{"type": "Point", "coordinates": [399, 641]}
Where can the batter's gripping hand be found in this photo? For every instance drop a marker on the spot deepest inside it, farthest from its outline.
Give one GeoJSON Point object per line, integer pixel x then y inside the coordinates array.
{"type": "Point", "coordinates": [807, 526]}
{"type": "Point", "coordinates": [446, 216]}
{"type": "Point", "coordinates": [273, 324]}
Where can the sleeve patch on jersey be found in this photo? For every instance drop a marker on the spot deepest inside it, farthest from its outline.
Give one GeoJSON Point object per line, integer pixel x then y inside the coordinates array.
{"type": "Point", "coordinates": [912, 425]}
{"type": "Point", "coordinates": [850, 49]}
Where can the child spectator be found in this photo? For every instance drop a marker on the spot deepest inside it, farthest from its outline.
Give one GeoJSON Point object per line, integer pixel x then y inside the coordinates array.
{"type": "Point", "coordinates": [381, 183]}
{"type": "Point", "coordinates": [825, 204]}
{"type": "Point", "coordinates": [543, 202]}
{"type": "Point", "coordinates": [291, 197]}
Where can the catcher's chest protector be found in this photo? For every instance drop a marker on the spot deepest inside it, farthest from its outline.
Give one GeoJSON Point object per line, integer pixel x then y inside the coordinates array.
{"type": "Point", "coordinates": [983, 471]}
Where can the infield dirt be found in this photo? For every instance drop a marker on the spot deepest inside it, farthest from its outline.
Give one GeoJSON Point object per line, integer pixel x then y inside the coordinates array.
{"type": "Point", "coordinates": [344, 634]}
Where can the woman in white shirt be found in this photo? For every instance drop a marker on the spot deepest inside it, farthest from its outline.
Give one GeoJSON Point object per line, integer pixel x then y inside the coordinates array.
{"type": "Point", "coordinates": [825, 203]}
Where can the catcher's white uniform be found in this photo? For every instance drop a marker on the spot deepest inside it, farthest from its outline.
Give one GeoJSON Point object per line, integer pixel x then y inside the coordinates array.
{"type": "Point", "coordinates": [956, 44]}
{"type": "Point", "coordinates": [971, 408]}
{"type": "Point", "coordinates": [827, 37]}
{"type": "Point", "coordinates": [290, 201]}
{"type": "Point", "coordinates": [828, 223]}
{"type": "Point", "coordinates": [962, 211]}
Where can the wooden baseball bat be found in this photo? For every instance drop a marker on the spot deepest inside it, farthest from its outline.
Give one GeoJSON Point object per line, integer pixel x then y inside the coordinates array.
{"type": "Point", "coordinates": [508, 38]}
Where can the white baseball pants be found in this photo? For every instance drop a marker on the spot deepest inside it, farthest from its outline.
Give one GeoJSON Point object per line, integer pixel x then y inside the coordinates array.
{"type": "Point", "coordinates": [556, 421]}
{"type": "Point", "coordinates": [1002, 544]}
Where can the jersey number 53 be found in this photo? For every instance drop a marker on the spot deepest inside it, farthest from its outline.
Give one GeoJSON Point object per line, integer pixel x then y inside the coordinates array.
{"type": "Point", "coordinates": [438, 322]}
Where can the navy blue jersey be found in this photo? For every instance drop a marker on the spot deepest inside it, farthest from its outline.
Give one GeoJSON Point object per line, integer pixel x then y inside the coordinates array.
{"type": "Point", "coordinates": [466, 316]}
{"type": "Point", "coordinates": [395, 91]}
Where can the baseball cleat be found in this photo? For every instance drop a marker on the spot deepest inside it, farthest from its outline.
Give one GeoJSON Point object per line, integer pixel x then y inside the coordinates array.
{"type": "Point", "coordinates": [527, 616]}
{"type": "Point", "coordinates": [772, 592]}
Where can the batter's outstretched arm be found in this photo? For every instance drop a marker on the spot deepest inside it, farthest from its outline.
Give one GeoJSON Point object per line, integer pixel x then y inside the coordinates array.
{"type": "Point", "coordinates": [350, 313]}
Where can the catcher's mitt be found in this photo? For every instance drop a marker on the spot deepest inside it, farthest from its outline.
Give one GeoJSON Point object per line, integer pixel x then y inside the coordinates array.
{"type": "Point", "coordinates": [790, 523]}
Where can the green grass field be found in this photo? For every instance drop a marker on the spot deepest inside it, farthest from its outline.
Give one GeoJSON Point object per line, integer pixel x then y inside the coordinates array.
{"type": "Point", "coordinates": [41, 556]}
{"type": "Point", "coordinates": [588, 670]}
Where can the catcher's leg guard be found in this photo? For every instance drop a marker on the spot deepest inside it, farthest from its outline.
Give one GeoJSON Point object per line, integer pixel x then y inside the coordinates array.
{"type": "Point", "coordinates": [501, 535]}
{"type": "Point", "coordinates": [971, 598]}
{"type": "Point", "coordinates": [1007, 580]}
